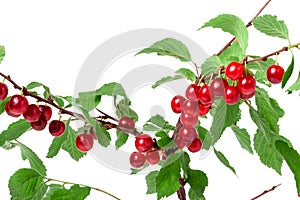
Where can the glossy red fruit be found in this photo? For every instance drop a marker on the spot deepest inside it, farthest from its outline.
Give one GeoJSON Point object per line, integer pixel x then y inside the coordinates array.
{"type": "Point", "coordinates": [234, 70]}
{"type": "Point", "coordinates": [187, 134]}
{"type": "Point", "coordinates": [9, 112]}
{"type": "Point", "coordinates": [246, 84]}
{"type": "Point", "coordinates": [205, 96]}
{"type": "Point", "coordinates": [40, 124]}
{"type": "Point", "coordinates": [203, 110]}
{"type": "Point", "coordinates": [3, 91]}
{"type": "Point", "coordinates": [57, 128]}
{"type": "Point", "coordinates": [46, 110]}
{"type": "Point", "coordinates": [247, 96]}
{"type": "Point", "coordinates": [153, 157]}
{"type": "Point", "coordinates": [188, 120]}
{"type": "Point", "coordinates": [275, 74]}
{"type": "Point", "coordinates": [32, 113]}
{"type": "Point", "coordinates": [137, 159]}
{"type": "Point", "coordinates": [195, 146]}
{"type": "Point", "coordinates": [18, 104]}
{"type": "Point", "coordinates": [191, 92]}
{"type": "Point", "coordinates": [217, 87]}
{"type": "Point", "coordinates": [84, 142]}
{"type": "Point", "coordinates": [177, 103]}
{"type": "Point", "coordinates": [143, 143]}
{"type": "Point", "coordinates": [126, 122]}
{"type": "Point", "coordinates": [190, 107]}
{"type": "Point", "coordinates": [180, 142]}
{"type": "Point", "coordinates": [232, 95]}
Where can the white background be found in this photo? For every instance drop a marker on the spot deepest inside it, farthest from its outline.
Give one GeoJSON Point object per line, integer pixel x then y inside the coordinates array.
{"type": "Point", "coordinates": [48, 41]}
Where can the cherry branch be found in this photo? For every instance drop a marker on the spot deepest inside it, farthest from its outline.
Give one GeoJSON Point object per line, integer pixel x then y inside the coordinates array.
{"type": "Point", "coordinates": [265, 192]}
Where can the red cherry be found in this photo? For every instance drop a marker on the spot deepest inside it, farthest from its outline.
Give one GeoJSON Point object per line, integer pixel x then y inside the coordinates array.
{"type": "Point", "coordinates": [137, 159]}
{"type": "Point", "coordinates": [191, 92]}
{"type": "Point", "coordinates": [9, 112]}
{"type": "Point", "coordinates": [40, 124]}
{"type": "Point", "coordinates": [275, 74]}
{"type": "Point", "coordinates": [190, 107]}
{"type": "Point", "coordinates": [187, 134]}
{"type": "Point", "coordinates": [176, 103]}
{"type": "Point", "coordinates": [217, 87]}
{"type": "Point", "coordinates": [180, 142]}
{"type": "Point", "coordinates": [57, 128]}
{"type": "Point", "coordinates": [84, 142]}
{"type": "Point", "coordinates": [247, 96]}
{"type": "Point", "coordinates": [143, 143]}
{"type": "Point", "coordinates": [232, 95]}
{"type": "Point", "coordinates": [46, 110]}
{"type": "Point", "coordinates": [203, 110]}
{"type": "Point", "coordinates": [18, 104]}
{"type": "Point", "coordinates": [195, 146]}
{"type": "Point", "coordinates": [153, 157]}
{"type": "Point", "coordinates": [3, 91]}
{"type": "Point", "coordinates": [126, 122]}
{"type": "Point", "coordinates": [93, 134]}
{"type": "Point", "coordinates": [188, 120]}
{"type": "Point", "coordinates": [205, 96]}
{"type": "Point", "coordinates": [234, 70]}
{"type": "Point", "coordinates": [246, 85]}
{"type": "Point", "coordinates": [32, 113]}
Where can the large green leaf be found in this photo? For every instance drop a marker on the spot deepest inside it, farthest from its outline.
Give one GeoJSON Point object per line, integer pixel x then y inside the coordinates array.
{"type": "Point", "coordinates": [261, 77]}
{"type": "Point", "coordinates": [243, 137]}
{"type": "Point", "coordinates": [56, 144]}
{"type": "Point", "coordinates": [295, 86]}
{"type": "Point", "coordinates": [89, 100]}
{"type": "Point", "coordinates": [121, 139]}
{"type": "Point", "coordinates": [261, 65]}
{"type": "Point", "coordinates": [111, 89]}
{"type": "Point", "coordinates": [224, 160]}
{"type": "Point", "coordinates": [169, 47]}
{"type": "Point", "coordinates": [157, 123]}
{"type": "Point", "coordinates": [232, 53]}
{"type": "Point", "coordinates": [151, 182]}
{"type": "Point", "coordinates": [198, 181]}
{"type": "Point", "coordinates": [218, 122]}
{"type": "Point", "coordinates": [74, 193]}
{"type": "Point", "coordinates": [51, 190]}
{"type": "Point", "coordinates": [2, 53]}
{"type": "Point", "coordinates": [233, 25]}
{"type": "Point", "coordinates": [270, 25]}
{"type": "Point", "coordinates": [288, 72]}
{"type": "Point", "coordinates": [193, 195]}
{"type": "Point", "coordinates": [210, 65]}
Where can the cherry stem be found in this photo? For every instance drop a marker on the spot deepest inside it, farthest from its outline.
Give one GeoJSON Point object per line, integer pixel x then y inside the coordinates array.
{"type": "Point", "coordinates": [181, 192]}
{"type": "Point", "coordinates": [69, 183]}
{"type": "Point", "coordinates": [266, 191]}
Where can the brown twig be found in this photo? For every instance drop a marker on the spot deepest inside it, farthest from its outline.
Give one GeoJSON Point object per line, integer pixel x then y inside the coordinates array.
{"type": "Point", "coordinates": [265, 192]}
{"type": "Point", "coordinates": [181, 192]}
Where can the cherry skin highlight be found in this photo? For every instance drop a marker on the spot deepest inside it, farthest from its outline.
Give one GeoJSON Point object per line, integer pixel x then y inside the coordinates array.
{"type": "Point", "coordinates": [191, 92]}
{"type": "Point", "coordinates": [187, 134]}
{"type": "Point", "coordinates": [205, 95]}
{"type": "Point", "coordinates": [275, 74]}
{"type": "Point", "coordinates": [188, 120]}
{"type": "Point", "coordinates": [217, 87]}
{"type": "Point", "coordinates": [234, 70]}
{"type": "Point", "coordinates": [143, 143]}
{"type": "Point", "coordinates": [46, 110]}
{"type": "Point", "coordinates": [18, 104]}
{"type": "Point", "coordinates": [177, 103]}
{"type": "Point", "coordinates": [126, 122]}
{"type": "Point", "coordinates": [9, 112]}
{"type": "Point", "coordinates": [32, 113]}
{"type": "Point", "coordinates": [246, 85]}
{"type": "Point", "coordinates": [190, 107]}
{"type": "Point", "coordinates": [232, 95]}
{"type": "Point", "coordinates": [84, 142]}
{"type": "Point", "coordinates": [137, 159]}
{"type": "Point", "coordinates": [57, 128]}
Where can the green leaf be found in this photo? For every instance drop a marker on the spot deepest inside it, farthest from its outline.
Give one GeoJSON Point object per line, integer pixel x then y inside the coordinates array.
{"type": "Point", "coordinates": [52, 189]}
{"type": "Point", "coordinates": [288, 73]}
{"type": "Point", "coordinates": [169, 47]}
{"type": "Point", "coordinates": [135, 170]}
{"type": "Point", "coordinates": [111, 89]}
{"type": "Point", "coordinates": [261, 77]}
{"type": "Point", "coordinates": [198, 181]}
{"type": "Point", "coordinates": [14, 131]}
{"type": "Point", "coordinates": [121, 139]}
{"type": "Point", "coordinates": [58, 100]}
{"type": "Point", "coordinates": [9, 145]}
{"type": "Point", "coordinates": [270, 25]}
{"type": "Point", "coordinates": [193, 195]}
{"type": "Point", "coordinates": [74, 193]}
{"type": "Point", "coordinates": [157, 123]}
{"type": "Point", "coordinates": [89, 100]}
{"type": "Point", "coordinates": [35, 162]}
{"type": "Point", "coordinates": [187, 74]}
{"type": "Point", "coordinates": [165, 141]}
{"type": "Point", "coordinates": [292, 158]}
{"type": "Point", "coordinates": [243, 137]}
{"type": "Point", "coordinates": [233, 115]}
{"type": "Point", "coordinates": [232, 53]}
{"type": "Point", "coordinates": [205, 137]}
{"type": "Point", "coordinates": [166, 80]}
{"type": "Point", "coordinates": [3, 104]}
{"type": "Point", "coordinates": [295, 86]}
{"type": "Point", "coordinates": [211, 65]}
{"type": "Point", "coordinates": [2, 53]}
{"type": "Point", "coordinates": [124, 107]}
{"type": "Point", "coordinates": [26, 184]}
{"type": "Point", "coordinates": [260, 65]}
{"type": "Point", "coordinates": [218, 122]}
{"type": "Point", "coordinates": [151, 182]}
{"type": "Point", "coordinates": [233, 25]}
{"type": "Point", "coordinates": [224, 160]}
{"type": "Point", "coordinates": [56, 145]}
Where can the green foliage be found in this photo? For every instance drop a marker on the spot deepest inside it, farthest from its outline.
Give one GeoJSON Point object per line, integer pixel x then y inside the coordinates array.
{"type": "Point", "coordinates": [74, 193]}
{"type": "Point", "coordinates": [89, 100]}
{"type": "Point", "coordinates": [261, 77]}
{"type": "Point", "coordinates": [123, 109]}
{"type": "Point", "coordinates": [111, 89]}
{"type": "Point", "coordinates": [157, 123]}
{"type": "Point", "coordinates": [3, 104]}
{"type": "Point", "coordinates": [260, 65]}
{"type": "Point", "coordinates": [210, 65]}
{"type": "Point", "coordinates": [151, 182]}
{"type": "Point", "coordinates": [193, 195]}
{"type": "Point", "coordinates": [198, 181]}
{"type": "Point", "coordinates": [295, 86]}
{"type": "Point", "coordinates": [224, 160]}
{"type": "Point", "coordinates": [56, 144]}
{"type": "Point", "coordinates": [121, 139]}
{"type": "Point", "coordinates": [232, 53]}
{"type": "Point", "coordinates": [243, 137]}
{"type": "Point", "coordinates": [169, 47]}
{"type": "Point", "coordinates": [2, 53]}
{"type": "Point", "coordinates": [165, 141]}
{"type": "Point", "coordinates": [51, 189]}
{"type": "Point", "coordinates": [205, 137]}
{"type": "Point", "coordinates": [233, 25]}
{"type": "Point", "coordinates": [288, 73]}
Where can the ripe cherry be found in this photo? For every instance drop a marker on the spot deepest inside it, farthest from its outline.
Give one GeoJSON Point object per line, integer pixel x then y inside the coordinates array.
{"type": "Point", "coordinates": [32, 113]}
{"type": "Point", "coordinates": [40, 124]}
{"type": "Point", "coordinates": [153, 157]}
{"type": "Point", "coordinates": [205, 96]}
{"type": "Point", "coordinates": [143, 143]}
{"type": "Point", "coordinates": [234, 70]}
{"type": "Point", "coordinates": [275, 74]}
{"type": "Point", "coordinates": [217, 87]}
{"type": "Point", "coordinates": [57, 128]}
{"type": "Point", "coordinates": [203, 110]}
{"type": "Point", "coordinates": [191, 92]}
{"type": "Point", "coordinates": [187, 134]}
{"type": "Point", "coordinates": [177, 103]}
{"type": "Point", "coordinates": [93, 134]}
{"type": "Point", "coordinates": [9, 112]}
{"type": "Point", "coordinates": [84, 142]}
{"type": "Point", "coordinates": [246, 85]}
{"type": "Point", "coordinates": [126, 122]}
{"type": "Point", "coordinates": [3, 91]}
{"type": "Point", "coordinates": [190, 107]}
{"type": "Point", "coordinates": [180, 142]}
{"type": "Point", "coordinates": [18, 104]}
{"type": "Point", "coordinates": [137, 159]}
{"type": "Point", "coordinates": [188, 120]}
{"type": "Point", "coordinates": [46, 110]}
{"type": "Point", "coordinates": [232, 95]}
{"type": "Point", "coordinates": [195, 146]}
{"type": "Point", "coordinates": [247, 96]}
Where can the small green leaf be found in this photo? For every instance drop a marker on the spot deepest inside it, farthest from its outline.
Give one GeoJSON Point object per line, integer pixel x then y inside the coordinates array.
{"type": "Point", "coordinates": [260, 65]}
{"type": "Point", "coordinates": [169, 47]}
{"type": "Point", "coordinates": [89, 100]}
{"type": "Point", "coordinates": [295, 86]}
{"type": "Point", "coordinates": [187, 74]}
{"type": "Point", "coordinates": [52, 189]}
{"type": "Point", "coordinates": [75, 192]}
{"type": "Point", "coordinates": [218, 122]}
{"type": "Point", "coordinates": [288, 73]}
{"type": "Point", "coordinates": [111, 89]}
{"type": "Point", "coordinates": [243, 137]}
{"type": "Point", "coordinates": [2, 53]}
{"type": "Point", "coordinates": [261, 77]}
{"type": "Point", "coordinates": [3, 104]}
{"type": "Point", "coordinates": [233, 25]}
{"type": "Point", "coordinates": [165, 141]}
{"type": "Point", "coordinates": [211, 65]}
{"type": "Point", "coordinates": [121, 139]}
{"type": "Point", "coordinates": [35, 162]}
{"type": "Point", "coordinates": [58, 100]}
{"type": "Point", "coordinates": [292, 158]}
{"type": "Point", "coordinates": [151, 182]}
{"type": "Point", "coordinates": [56, 145]}
{"type": "Point", "coordinates": [9, 145]}
{"type": "Point", "coordinates": [198, 181]}
{"type": "Point", "coordinates": [224, 160]}
{"type": "Point", "coordinates": [137, 170]}
{"type": "Point", "coordinates": [123, 109]}
{"type": "Point", "coordinates": [233, 115]}
{"type": "Point", "coordinates": [205, 137]}
{"type": "Point", "coordinates": [231, 54]}
{"type": "Point", "coordinates": [270, 25]}
{"type": "Point", "coordinates": [193, 195]}
{"type": "Point", "coordinates": [157, 123]}
{"type": "Point", "coordinates": [166, 80]}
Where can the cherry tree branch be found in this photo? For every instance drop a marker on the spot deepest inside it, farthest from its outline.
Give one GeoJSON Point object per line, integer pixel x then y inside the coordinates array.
{"type": "Point", "coordinates": [265, 192]}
